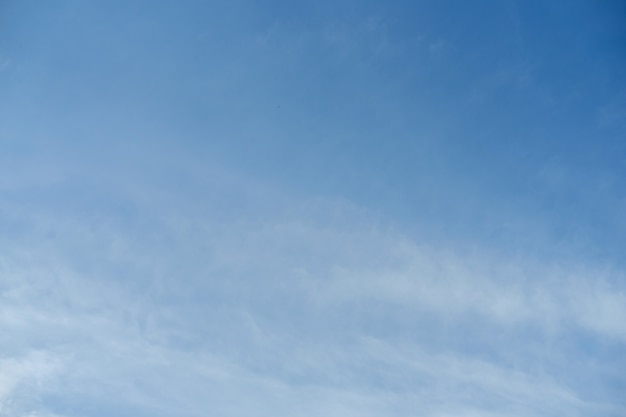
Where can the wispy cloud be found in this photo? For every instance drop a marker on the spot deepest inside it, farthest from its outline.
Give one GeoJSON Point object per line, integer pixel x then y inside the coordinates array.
{"type": "Point", "coordinates": [310, 307]}
{"type": "Point", "coordinates": [24, 376]}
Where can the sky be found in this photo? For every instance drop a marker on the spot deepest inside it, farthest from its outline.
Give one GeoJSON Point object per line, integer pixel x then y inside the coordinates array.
{"type": "Point", "coordinates": [312, 208]}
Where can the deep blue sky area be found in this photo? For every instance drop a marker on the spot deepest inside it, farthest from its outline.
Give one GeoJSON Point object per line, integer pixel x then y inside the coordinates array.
{"type": "Point", "coordinates": [484, 96]}
{"type": "Point", "coordinates": [325, 207]}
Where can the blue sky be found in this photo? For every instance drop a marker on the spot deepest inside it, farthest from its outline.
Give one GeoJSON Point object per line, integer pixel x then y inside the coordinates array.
{"type": "Point", "coordinates": [245, 208]}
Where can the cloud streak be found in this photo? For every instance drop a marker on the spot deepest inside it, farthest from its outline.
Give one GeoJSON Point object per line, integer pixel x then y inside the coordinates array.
{"type": "Point", "coordinates": [304, 308]}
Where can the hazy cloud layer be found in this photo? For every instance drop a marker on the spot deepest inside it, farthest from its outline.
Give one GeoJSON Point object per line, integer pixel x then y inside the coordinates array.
{"type": "Point", "coordinates": [307, 309]}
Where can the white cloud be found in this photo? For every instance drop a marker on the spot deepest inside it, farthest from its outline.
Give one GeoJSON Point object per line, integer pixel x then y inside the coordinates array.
{"type": "Point", "coordinates": [23, 377]}
{"type": "Point", "coordinates": [507, 291]}
{"type": "Point", "coordinates": [171, 307]}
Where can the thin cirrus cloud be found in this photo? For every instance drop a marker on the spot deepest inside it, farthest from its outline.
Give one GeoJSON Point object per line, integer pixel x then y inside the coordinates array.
{"type": "Point", "coordinates": [323, 209]}
{"type": "Point", "coordinates": [301, 310]}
